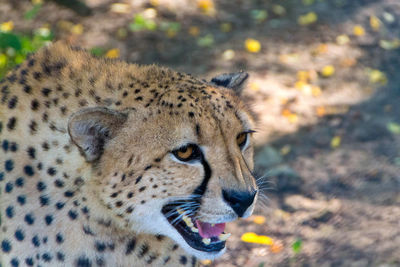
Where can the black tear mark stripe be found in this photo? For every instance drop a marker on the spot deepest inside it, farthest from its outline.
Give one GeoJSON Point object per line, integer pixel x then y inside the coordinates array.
{"type": "Point", "coordinates": [201, 189]}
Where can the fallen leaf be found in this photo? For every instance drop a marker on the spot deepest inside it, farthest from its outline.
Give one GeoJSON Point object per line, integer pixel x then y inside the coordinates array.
{"type": "Point", "coordinates": [259, 15]}
{"type": "Point", "coordinates": [320, 49]}
{"type": "Point", "coordinates": [335, 142]}
{"type": "Point", "coordinates": [113, 53]}
{"type": "Point", "coordinates": [307, 19]}
{"type": "Point", "coordinates": [120, 8]}
{"type": "Point", "coordinates": [252, 45]}
{"type": "Point", "coordinates": [377, 77]}
{"type": "Point", "coordinates": [228, 54]}
{"type": "Point", "coordinates": [342, 39]}
{"type": "Point", "coordinates": [358, 30]}
{"type": "Point", "coordinates": [276, 247]}
{"type": "Point", "coordinates": [292, 117]}
{"type": "Point", "coordinates": [3, 60]}
{"type": "Point", "coordinates": [393, 127]}
{"type": "Point", "coordinates": [278, 10]}
{"type": "Point", "coordinates": [6, 26]}
{"type": "Point", "coordinates": [77, 29]}
{"type": "Point", "coordinates": [254, 238]}
{"type": "Point", "coordinates": [328, 71]}
{"type": "Point", "coordinates": [375, 23]}
{"type": "Point", "coordinates": [308, 2]}
{"type": "Point", "coordinates": [390, 44]}
{"type": "Point", "coordinates": [289, 58]}
{"type": "Point", "coordinates": [348, 62]}
{"type": "Point", "coordinates": [297, 245]}
{"type": "Point", "coordinates": [37, 2]}
{"type": "Point", "coordinates": [259, 219]}
{"type": "Point", "coordinates": [206, 41]}
{"type": "Point", "coordinates": [316, 90]}
{"type": "Point", "coordinates": [206, 6]}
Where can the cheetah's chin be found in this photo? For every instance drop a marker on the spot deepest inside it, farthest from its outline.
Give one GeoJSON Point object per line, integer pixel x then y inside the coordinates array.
{"type": "Point", "coordinates": [199, 235]}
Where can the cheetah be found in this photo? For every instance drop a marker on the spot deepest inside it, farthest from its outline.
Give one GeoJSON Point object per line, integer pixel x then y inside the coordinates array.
{"type": "Point", "coordinates": [105, 163]}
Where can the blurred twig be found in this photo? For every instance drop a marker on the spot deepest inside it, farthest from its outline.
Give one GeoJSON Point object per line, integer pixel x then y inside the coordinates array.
{"type": "Point", "coordinates": [78, 6]}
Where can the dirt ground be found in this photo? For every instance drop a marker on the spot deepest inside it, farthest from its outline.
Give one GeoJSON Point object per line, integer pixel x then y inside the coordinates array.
{"type": "Point", "coordinates": [328, 151]}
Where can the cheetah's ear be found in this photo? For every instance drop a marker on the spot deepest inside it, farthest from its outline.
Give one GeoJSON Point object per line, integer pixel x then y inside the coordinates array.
{"type": "Point", "coordinates": [91, 128]}
{"type": "Point", "coordinates": [234, 81]}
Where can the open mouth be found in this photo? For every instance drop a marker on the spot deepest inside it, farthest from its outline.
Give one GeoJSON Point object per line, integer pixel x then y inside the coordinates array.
{"type": "Point", "coordinates": [199, 235]}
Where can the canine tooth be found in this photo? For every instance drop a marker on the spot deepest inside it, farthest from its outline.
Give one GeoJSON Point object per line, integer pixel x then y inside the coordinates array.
{"type": "Point", "coordinates": [206, 241]}
{"type": "Point", "coordinates": [187, 220]}
{"type": "Point", "coordinates": [224, 237]}
{"type": "Point", "coordinates": [194, 229]}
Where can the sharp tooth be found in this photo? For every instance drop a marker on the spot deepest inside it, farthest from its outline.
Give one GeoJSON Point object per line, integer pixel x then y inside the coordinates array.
{"type": "Point", "coordinates": [224, 237]}
{"type": "Point", "coordinates": [187, 220]}
{"type": "Point", "coordinates": [206, 241]}
{"type": "Point", "coordinates": [194, 229]}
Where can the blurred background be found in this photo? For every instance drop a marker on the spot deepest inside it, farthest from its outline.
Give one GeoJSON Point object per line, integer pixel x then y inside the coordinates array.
{"type": "Point", "coordinates": [324, 84]}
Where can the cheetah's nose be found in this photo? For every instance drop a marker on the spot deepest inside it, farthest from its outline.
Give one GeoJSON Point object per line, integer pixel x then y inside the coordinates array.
{"type": "Point", "coordinates": [239, 200]}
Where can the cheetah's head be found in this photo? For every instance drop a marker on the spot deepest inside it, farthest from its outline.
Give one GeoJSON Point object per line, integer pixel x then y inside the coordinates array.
{"type": "Point", "coordinates": [180, 168]}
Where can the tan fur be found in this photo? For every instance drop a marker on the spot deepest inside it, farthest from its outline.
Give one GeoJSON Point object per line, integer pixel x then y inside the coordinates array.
{"type": "Point", "coordinates": [43, 93]}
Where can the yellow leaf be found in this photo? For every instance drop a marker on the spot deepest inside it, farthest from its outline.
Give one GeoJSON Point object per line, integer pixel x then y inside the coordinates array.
{"type": "Point", "coordinates": [320, 49]}
{"type": "Point", "coordinates": [307, 19]}
{"type": "Point", "coordinates": [316, 90]}
{"type": "Point", "coordinates": [358, 30]}
{"type": "Point", "coordinates": [154, 2]}
{"type": "Point", "coordinates": [65, 25]}
{"type": "Point", "coordinates": [377, 76]}
{"type": "Point", "coordinates": [252, 45]}
{"type": "Point", "coordinates": [328, 71]}
{"type": "Point", "coordinates": [122, 33]}
{"type": "Point", "coordinates": [254, 238]}
{"type": "Point", "coordinates": [120, 8]}
{"type": "Point", "coordinates": [171, 33]}
{"type": "Point", "coordinates": [303, 75]}
{"type": "Point", "coordinates": [3, 60]}
{"type": "Point", "coordinates": [77, 29]}
{"type": "Point", "coordinates": [113, 53]}
{"type": "Point", "coordinates": [228, 54]}
{"type": "Point", "coordinates": [7, 26]}
{"type": "Point", "coordinates": [207, 6]}
{"type": "Point", "coordinates": [225, 27]}
{"type": "Point", "coordinates": [342, 39]}
{"type": "Point", "coordinates": [259, 219]}
{"type": "Point", "coordinates": [375, 23]}
{"type": "Point", "coordinates": [335, 142]}
{"type": "Point", "coordinates": [289, 58]}
{"type": "Point", "coordinates": [37, 2]}
{"type": "Point", "coordinates": [194, 31]}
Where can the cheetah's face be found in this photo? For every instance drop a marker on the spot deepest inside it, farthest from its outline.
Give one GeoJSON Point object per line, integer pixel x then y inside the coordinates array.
{"type": "Point", "coordinates": [182, 176]}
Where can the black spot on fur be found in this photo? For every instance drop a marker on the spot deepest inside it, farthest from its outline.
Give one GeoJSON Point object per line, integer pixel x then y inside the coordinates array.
{"type": "Point", "coordinates": [21, 200]}
{"type": "Point", "coordinates": [36, 241]}
{"type": "Point", "coordinates": [183, 260]}
{"type": "Point", "coordinates": [6, 246]}
{"type": "Point", "coordinates": [9, 165]}
{"type": "Point", "coordinates": [130, 246]}
{"type": "Point", "coordinates": [59, 238]}
{"type": "Point", "coordinates": [48, 219]}
{"type": "Point", "coordinates": [29, 219]}
{"type": "Point", "coordinates": [72, 214]}
{"type": "Point", "coordinates": [29, 170]}
{"type": "Point", "coordinates": [83, 261]}
{"type": "Point", "coordinates": [138, 179]}
{"type": "Point", "coordinates": [10, 212]}
{"type": "Point", "coordinates": [44, 200]}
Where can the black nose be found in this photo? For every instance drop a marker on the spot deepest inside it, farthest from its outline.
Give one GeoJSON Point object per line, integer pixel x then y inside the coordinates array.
{"type": "Point", "coordinates": [239, 200]}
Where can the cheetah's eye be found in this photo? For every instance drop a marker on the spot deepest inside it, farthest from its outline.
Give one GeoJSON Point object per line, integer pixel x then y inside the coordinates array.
{"type": "Point", "coordinates": [241, 139]}
{"type": "Point", "coordinates": [187, 153]}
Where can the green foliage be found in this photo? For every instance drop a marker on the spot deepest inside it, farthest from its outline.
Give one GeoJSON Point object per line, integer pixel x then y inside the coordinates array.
{"type": "Point", "coordinates": [296, 246]}
{"type": "Point", "coordinates": [140, 23]}
{"type": "Point", "coordinates": [31, 13]}
{"type": "Point", "coordinates": [15, 47]}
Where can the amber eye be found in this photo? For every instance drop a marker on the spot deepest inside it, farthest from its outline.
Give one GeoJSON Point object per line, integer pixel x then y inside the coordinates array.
{"type": "Point", "coordinates": [187, 153]}
{"type": "Point", "coordinates": [241, 139]}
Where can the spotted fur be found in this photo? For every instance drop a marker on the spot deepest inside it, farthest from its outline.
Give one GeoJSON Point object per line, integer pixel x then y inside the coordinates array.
{"type": "Point", "coordinates": [61, 207]}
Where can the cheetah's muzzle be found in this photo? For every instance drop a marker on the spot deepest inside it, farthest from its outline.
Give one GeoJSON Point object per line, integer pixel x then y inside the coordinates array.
{"type": "Point", "coordinates": [199, 235]}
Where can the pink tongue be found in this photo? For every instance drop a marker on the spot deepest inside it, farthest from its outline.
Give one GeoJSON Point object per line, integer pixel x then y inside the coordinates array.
{"type": "Point", "coordinates": [207, 231]}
